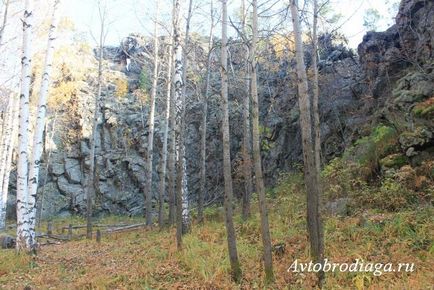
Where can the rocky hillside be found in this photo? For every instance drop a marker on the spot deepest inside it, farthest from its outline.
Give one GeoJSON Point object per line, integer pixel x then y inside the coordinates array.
{"type": "Point", "coordinates": [389, 83]}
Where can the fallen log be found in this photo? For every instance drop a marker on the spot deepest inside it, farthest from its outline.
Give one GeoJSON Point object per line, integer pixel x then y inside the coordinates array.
{"type": "Point", "coordinates": [124, 228]}
{"type": "Point", "coordinates": [60, 237]}
{"type": "Point", "coordinates": [54, 237]}
{"type": "Point", "coordinates": [49, 242]}
{"type": "Point", "coordinates": [95, 226]}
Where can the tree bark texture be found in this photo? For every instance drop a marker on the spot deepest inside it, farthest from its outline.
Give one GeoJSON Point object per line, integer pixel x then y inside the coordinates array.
{"type": "Point", "coordinates": [227, 171]}
{"type": "Point", "coordinates": [310, 174]}
{"type": "Point", "coordinates": [265, 228]}
{"type": "Point", "coordinates": [151, 123]}
{"type": "Point", "coordinates": [38, 147]}
{"type": "Point", "coordinates": [24, 236]}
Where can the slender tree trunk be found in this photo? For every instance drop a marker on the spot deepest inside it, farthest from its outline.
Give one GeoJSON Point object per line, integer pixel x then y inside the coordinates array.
{"type": "Point", "coordinates": [172, 159]}
{"type": "Point", "coordinates": [265, 228]}
{"type": "Point", "coordinates": [181, 185]}
{"type": "Point", "coordinates": [317, 128]}
{"type": "Point", "coordinates": [181, 182]}
{"type": "Point", "coordinates": [40, 121]}
{"type": "Point", "coordinates": [90, 184]}
{"type": "Point", "coordinates": [6, 137]}
{"type": "Point", "coordinates": [9, 137]}
{"type": "Point", "coordinates": [2, 124]}
{"type": "Point", "coordinates": [24, 236]}
{"type": "Point", "coordinates": [41, 197]}
{"type": "Point", "coordinates": [164, 154]}
{"type": "Point", "coordinates": [247, 138]}
{"type": "Point", "coordinates": [5, 19]}
{"type": "Point", "coordinates": [151, 123]}
{"type": "Point", "coordinates": [313, 190]}
{"type": "Point", "coordinates": [230, 229]}
{"type": "Point", "coordinates": [172, 132]}
{"type": "Point", "coordinates": [202, 191]}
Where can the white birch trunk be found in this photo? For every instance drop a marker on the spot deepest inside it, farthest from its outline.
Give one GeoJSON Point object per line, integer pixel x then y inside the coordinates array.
{"type": "Point", "coordinates": [8, 141]}
{"type": "Point", "coordinates": [24, 236]}
{"type": "Point", "coordinates": [179, 116]}
{"type": "Point", "coordinates": [181, 183]}
{"type": "Point", "coordinates": [40, 121]}
{"type": "Point", "coordinates": [151, 122]}
{"type": "Point", "coordinates": [172, 158]}
{"type": "Point", "coordinates": [5, 18]}
{"type": "Point", "coordinates": [162, 185]}
{"type": "Point", "coordinates": [90, 183]}
{"type": "Point", "coordinates": [6, 134]}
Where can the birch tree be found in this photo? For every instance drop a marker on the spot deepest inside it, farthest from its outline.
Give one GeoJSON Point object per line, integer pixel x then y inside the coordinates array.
{"type": "Point", "coordinates": [8, 144]}
{"type": "Point", "coordinates": [230, 229]}
{"type": "Point", "coordinates": [151, 122]}
{"type": "Point", "coordinates": [6, 129]}
{"type": "Point", "coordinates": [171, 167]}
{"type": "Point", "coordinates": [172, 120]}
{"type": "Point", "coordinates": [162, 185]}
{"type": "Point", "coordinates": [24, 236]}
{"type": "Point", "coordinates": [90, 183]}
{"type": "Point", "coordinates": [181, 182]}
{"type": "Point", "coordinates": [310, 173]}
{"type": "Point", "coordinates": [265, 228]}
{"type": "Point", "coordinates": [202, 191]}
{"type": "Point", "coordinates": [37, 147]}
{"type": "Point", "coordinates": [4, 21]}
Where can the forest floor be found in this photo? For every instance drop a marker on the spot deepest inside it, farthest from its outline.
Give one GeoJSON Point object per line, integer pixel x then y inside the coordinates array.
{"type": "Point", "coordinates": [148, 258]}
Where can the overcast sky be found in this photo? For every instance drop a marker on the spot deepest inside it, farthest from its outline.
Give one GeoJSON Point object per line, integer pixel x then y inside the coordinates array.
{"type": "Point", "coordinates": [128, 16]}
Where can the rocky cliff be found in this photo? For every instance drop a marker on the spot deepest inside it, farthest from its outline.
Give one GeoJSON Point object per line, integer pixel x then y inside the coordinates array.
{"type": "Point", "coordinates": [390, 81]}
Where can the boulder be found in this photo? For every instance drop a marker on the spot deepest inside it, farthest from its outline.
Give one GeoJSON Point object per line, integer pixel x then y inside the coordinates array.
{"type": "Point", "coordinates": [57, 169]}
{"type": "Point", "coordinates": [73, 170]}
{"type": "Point", "coordinates": [393, 161]}
{"type": "Point", "coordinates": [53, 201]}
{"type": "Point", "coordinates": [73, 192]}
{"type": "Point", "coordinates": [7, 242]}
{"type": "Point", "coordinates": [338, 207]}
{"type": "Point", "coordinates": [420, 137]}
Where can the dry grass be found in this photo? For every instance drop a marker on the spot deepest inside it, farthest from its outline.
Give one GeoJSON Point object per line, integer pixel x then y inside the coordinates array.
{"type": "Point", "coordinates": [148, 259]}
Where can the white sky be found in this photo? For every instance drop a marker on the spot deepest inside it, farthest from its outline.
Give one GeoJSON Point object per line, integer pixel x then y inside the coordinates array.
{"type": "Point", "coordinates": [129, 16]}
{"type": "Point", "coordinates": [136, 16]}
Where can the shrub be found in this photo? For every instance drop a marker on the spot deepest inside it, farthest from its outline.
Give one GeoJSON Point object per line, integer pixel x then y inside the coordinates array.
{"type": "Point", "coordinates": [121, 87]}
{"type": "Point", "coordinates": [368, 150]}
{"type": "Point", "coordinates": [145, 83]}
{"type": "Point", "coordinates": [340, 178]}
{"type": "Point", "coordinates": [390, 196]}
{"type": "Point", "coordinates": [425, 109]}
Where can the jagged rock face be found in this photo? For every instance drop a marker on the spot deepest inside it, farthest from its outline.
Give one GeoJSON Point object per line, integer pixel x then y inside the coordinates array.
{"type": "Point", "coordinates": [351, 93]}
{"type": "Point", "coordinates": [415, 22]}
{"type": "Point", "coordinates": [384, 55]}
{"type": "Point", "coordinates": [398, 67]}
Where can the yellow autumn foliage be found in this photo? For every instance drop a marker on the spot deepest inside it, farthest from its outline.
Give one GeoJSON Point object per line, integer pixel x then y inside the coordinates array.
{"type": "Point", "coordinates": [121, 87]}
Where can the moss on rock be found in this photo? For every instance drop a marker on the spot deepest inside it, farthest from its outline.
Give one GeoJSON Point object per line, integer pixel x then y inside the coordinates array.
{"type": "Point", "coordinates": [413, 87]}
{"type": "Point", "coordinates": [367, 151]}
{"type": "Point", "coordinates": [393, 161]}
{"type": "Point", "coordinates": [419, 137]}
